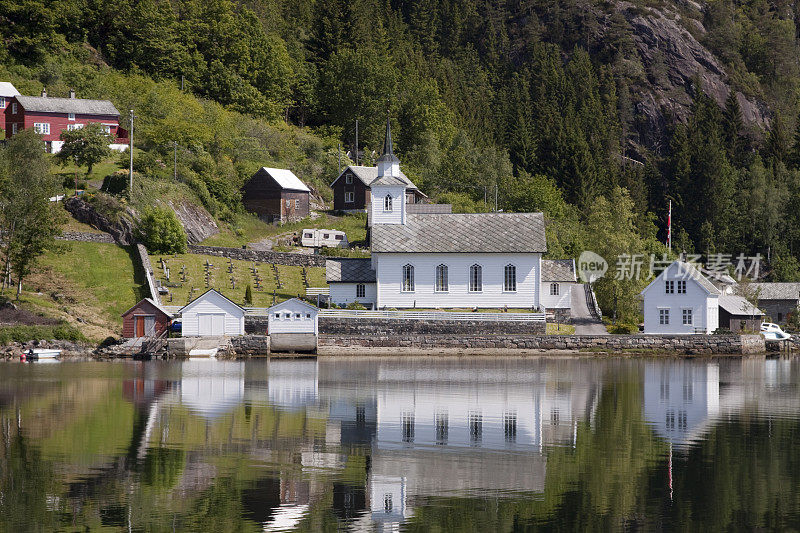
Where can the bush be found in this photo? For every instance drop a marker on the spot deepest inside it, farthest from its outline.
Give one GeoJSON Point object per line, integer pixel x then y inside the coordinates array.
{"type": "Point", "coordinates": [356, 306]}
{"type": "Point", "coordinates": [248, 296]}
{"type": "Point", "coordinates": [623, 329]}
{"type": "Point", "coordinates": [116, 183]}
{"type": "Point", "coordinates": [61, 331]}
{"type": "Point", "coordinates": [161, 231]}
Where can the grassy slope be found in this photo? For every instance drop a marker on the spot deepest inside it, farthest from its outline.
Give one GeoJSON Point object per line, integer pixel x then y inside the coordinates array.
{"type": "Point", "coordinates": [248, 228]}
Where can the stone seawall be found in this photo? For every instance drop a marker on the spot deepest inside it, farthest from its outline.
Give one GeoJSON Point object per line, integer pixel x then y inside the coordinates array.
{"type": "Point", "coordinates": [261, 256]}
{"type": "Point", "coordinates": [256, 324]}
{"type": "Point", "coordinates": [85, 236]}
{"type": "Point", "coordinates": [348, 327]}
{"type": "Point", "coordinates": [675, 344]}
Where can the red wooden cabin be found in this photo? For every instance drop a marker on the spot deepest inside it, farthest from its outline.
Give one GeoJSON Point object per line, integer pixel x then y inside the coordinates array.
{"type": "Point", "coordinates": [145, 319]}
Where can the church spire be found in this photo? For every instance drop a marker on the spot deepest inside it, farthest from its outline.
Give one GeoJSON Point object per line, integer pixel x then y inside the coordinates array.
{"type": "Point", "coordinates": [388, 154]}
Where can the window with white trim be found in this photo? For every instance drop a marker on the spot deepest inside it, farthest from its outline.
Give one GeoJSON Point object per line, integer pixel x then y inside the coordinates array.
{"type": "Point", "coordinates": [510, 281]}
{"type": "Point", "coordinates": [348, 179]}
{"type": "Point", "coordinates": [687, 317]}
{"type": "Point", "coordinates": [669, 287]}
{"type": "Point", "coordinates": [408, 278]}
{"type": "Point", "coordinates": [441, 279]}
{"type": "Point", "coordinates": [475, 278]}
{"type": "Point", "coordinates": [663, 317]}
{"type": "Point", "coordinates": [296, 203]}
{"type": "Point", "coordinates": [349, 197]}
{"type": "Point", "coordinates": [13, 108]}
{"type": "Point", "coordinates": [361, 291]}
{"type": "Point", "coordinates": [14, 128]}
{"type": "Point", "coordinates": [71, 127]}
{"type": "Point", "coordinates": [554, 289]}
{"type": "Point", "coordinates": [70, 116]}
{"type": "Point", "coordinates": [387, 203]}
{"type": "Point", "coordinates": [681, 286]}
{"type": "Point", "coordinates": [42, 128]}
{"type": "Point", "coordinates": [2, 102]}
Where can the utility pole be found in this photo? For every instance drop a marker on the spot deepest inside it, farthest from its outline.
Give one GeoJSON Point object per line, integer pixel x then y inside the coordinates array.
{"type": "Point", "coordinates": [175, 166]}
{"type": "Point", "coordinates": [130, 148]}
{"type": "Point", "coordinates": [356, 142]}
{"type": "Point", "coordinates": [181, 82]}
{"type": "Point", "coordinates": [495, 198]}
{"type": "Point", "coordinates": [339, 153]}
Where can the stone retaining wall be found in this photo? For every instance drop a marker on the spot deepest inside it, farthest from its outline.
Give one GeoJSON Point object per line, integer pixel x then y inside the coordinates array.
{"type": "Point", "coordinates": [349, 327]}
{"type": "Point", "coordinates": [256, 324]}
{"type": "Point", "coordinates": [148, 272]}
{"type": "Point", "coordinates": [85, 236]}
{"type": "Point", "coordinates": [261, 256]}
{"type": "Point", "coordinates": [251, 345]}
{"type": "Point", "coordinates": [677, 344]}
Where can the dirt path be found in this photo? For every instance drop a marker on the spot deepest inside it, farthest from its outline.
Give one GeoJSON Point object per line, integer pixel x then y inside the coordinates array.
{"type": "Point", "coordinates": [582, 319]}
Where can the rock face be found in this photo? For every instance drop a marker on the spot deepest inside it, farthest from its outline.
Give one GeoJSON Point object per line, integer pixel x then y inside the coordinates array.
{"type": "Point", "coordinates": [196, 221]}
{"type": "Point", "coordinates": [121, 229]}
{"type": "Point", "coordinates": [665, 45]}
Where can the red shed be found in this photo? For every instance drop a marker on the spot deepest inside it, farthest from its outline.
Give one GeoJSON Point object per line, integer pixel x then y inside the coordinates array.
{"type": "Point", "coordinates": [145, 319]}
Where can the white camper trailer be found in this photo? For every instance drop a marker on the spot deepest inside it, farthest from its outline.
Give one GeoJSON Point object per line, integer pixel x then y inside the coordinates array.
{"type": "Point", "coordinates": [328, 238]}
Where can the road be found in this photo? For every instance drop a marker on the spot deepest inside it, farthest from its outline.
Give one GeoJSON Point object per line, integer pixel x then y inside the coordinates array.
{"type": "Point", "coordinates": [582, 319]}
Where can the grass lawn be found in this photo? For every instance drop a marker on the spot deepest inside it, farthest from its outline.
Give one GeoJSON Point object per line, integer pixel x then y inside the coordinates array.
{"type": "Point", "coordinates": [195, 284]}
{"type": "Point", "coordinates": [249, 228]}
{"type": "Point", "coordinates": [95, 179]}
{"type": "Point", "coordinates": [560, 329]}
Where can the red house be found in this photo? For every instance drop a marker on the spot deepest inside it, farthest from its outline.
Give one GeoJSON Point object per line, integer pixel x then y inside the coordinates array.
{"type": "Point", "coordinates": [50, 116]}
{"type": "Point", "coordinates": [145, 319]}
{"type": "Point", "coordinates": [7, 92]}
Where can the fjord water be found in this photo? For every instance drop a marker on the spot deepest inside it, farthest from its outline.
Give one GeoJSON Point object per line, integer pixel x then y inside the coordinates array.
{"type": "Point", "coordinates": [416, 444]}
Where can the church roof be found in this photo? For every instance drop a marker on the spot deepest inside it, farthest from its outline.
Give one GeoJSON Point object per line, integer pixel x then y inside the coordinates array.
{"type": "Point", "coordinates": [462, 233]}
{"type": "Point", "coordinates": [388, 153]}
{"type": "Point", "coordinates": [388, 180]}
{"type": "Point", "coordinates": [558, 270]}
{"type": "Point", "coordinates": [369, 174]}
{"type": "Point", "coordinates": [349, 270]}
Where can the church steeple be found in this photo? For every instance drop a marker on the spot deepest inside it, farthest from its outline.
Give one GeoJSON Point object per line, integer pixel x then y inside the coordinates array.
{"type": "Point", "coordinates": [388, 163]}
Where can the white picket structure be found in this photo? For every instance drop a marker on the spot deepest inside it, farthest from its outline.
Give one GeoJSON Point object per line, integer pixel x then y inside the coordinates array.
{"type": "Point", "coordinates": [432, 315]}
{"type": "Point", "coordinates": [314, 291]}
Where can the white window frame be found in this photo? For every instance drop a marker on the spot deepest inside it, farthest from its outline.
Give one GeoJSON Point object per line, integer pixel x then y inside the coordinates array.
{"type": "Point", "coordinates": [663, 317]}
{"type": "Point", "coordinates": [475, 278]}
{"type": "Point", "coordinates": [13, 108]}
{"type": "Point", "coordinates": [510, 278]}
{"type": "Point", "coordinates": [687, 317]}
{"type": "Point", "coordinates": [73, 127]}
{"type": "Point", "coordinates": [70, 116]}
{"type": "Point", "coordinates": [681, 286]}
{"type": "Point", "coordinates": [42, 128]}
{"type": "Point", "coordinates": [407, 281]}
{"type": "Point", "coordinates": [554, 289]}
{"type": "Point", "coordinates": [348, 179]}
{"type": "Point", "coordinates": [441, 281]}
{"type": "Point", "coordinates": [2, 102]}
{"type": "Point", "coordinates": [296, 203]}
{"type": "Point", "coordinates": [106, 128]}
{"type": "Point", "coordinates": [349, 197]}
{"type": "Point", "coordinates": [669, 287]}
{"type": "Point", "coordinates": [361, 290]}
{"type": "Point", "coordinates": [387, 203]}
{"type": "Point", "coordinates": [14, 128]}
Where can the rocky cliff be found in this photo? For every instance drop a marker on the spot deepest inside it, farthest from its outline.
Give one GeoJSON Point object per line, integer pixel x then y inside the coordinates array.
{"type": "Point", "coordinates": [197, 222]}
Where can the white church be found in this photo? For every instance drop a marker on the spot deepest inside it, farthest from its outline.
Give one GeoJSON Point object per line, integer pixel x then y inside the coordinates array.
{"type": "Point", "coordinates": [484, 260]}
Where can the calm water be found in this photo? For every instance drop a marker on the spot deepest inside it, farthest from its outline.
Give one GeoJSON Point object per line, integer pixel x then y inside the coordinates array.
{"type": "Point", "coordinates": [471, 444]}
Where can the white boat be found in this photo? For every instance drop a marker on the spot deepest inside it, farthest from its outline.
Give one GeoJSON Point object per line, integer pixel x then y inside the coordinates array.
{"type": "Point", "coordinates": [42, 353]}
{"type": "Point", "coordinates": [773, 332]}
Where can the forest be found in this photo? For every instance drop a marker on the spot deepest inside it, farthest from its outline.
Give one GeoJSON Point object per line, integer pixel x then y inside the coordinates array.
{"type": "Point", "coordinates": [596, 112]}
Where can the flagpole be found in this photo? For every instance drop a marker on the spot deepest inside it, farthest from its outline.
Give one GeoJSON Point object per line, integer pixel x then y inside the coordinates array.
{"type": "Point", "coordinates": [669, 227]}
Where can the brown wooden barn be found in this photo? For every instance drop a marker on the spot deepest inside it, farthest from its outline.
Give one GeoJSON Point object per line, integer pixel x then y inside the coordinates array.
{"type": "Point", "coordinates": [276, 195]}
{"type": "Point", "coordinates": [145, 319]}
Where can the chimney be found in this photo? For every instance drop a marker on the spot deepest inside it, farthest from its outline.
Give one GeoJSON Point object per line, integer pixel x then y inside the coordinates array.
{"type": "Point", "coordinates": [72, 93]}
{"type": "Point", "coordinates": [44, 92]}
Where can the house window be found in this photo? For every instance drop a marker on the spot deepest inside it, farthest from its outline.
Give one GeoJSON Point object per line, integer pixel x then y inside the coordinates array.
{"type": "Point", "coordinates": [349, 197]}
{"type": "Point", "coordinates": [681, 287]}
{"type": "Point", "coordinates": [308, 315]}
{"type": "Point", "coordinates": [687, 317]}
{"type": "Point", "coordinates": [288, 203]}
{"type": "Point", "coordinates": [298, 315]}
{"type": "Point", "coordinates": [2, 102]}
{"type": "Point", "coordinates": [70, 116]}
{"type": "Point", "coordinates": [408, 278]}
{"type": "Point", "coordinates": [42, 128]}
{"type": "Point", "coordinates": [13, 108]}
{"type": "Point", "coordinates": [387, 503]}
{"type": "Point", "coordinates": [105, 128]}
{"type": "Point", "coordinates": [510, 427]}
{"type": "Point", "coordinates": [348, 179]}
{"type": "Point", "coordinates": [296, 203]}
{"type": "Point", "coordinates": [475, 278]}
{"type": "Point", "coordinates": [441, 278]}
{"type": "Point", "coordinates": [361, 291]}
{"type": "Point", "coordinates": [510, 284]}
{"type": "Point", "coordinates": [475, 428]}
{"type": "Point", "coordinates": [669, 287]}
{"type": "Point", "coordinates": [387, 203]}
{"type": "Point", "coordinates": [71, 127]}
{"type": "Point", "coordinates": [14, 129]}
{"type": "Point", "coordinates": [554, 289]}
{"type": "Point", "coordinates": [663, 317]}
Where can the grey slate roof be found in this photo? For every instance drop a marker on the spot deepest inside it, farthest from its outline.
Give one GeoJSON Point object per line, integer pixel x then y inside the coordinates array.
{"type": "Point", "coordinates": [462, 233]}
{"type": "Point", "coordinates": [777, 291]}
{"type": "Point", "coordinates": [558, 270]}
{"type": "Point", "coordinates": [738, 305]}
{"type": "Point", "coordinates": [369, 174]}
{"type": "Point", "coordinates": [347, 270]}
{"type": "Point", "coordinates": [387, 180]}
{"type": "Point", "coordinates": [80, 106]}
{"type": "Point", "coordinates": [691, 272]}
{"type": "Point", "coordinates": [421, 209]}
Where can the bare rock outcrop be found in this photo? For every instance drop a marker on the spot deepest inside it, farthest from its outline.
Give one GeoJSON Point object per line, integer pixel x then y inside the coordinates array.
{"type": "Point", "coordinates": [121, 228]}
{"type": "Point", "coordinates": [197, 222]}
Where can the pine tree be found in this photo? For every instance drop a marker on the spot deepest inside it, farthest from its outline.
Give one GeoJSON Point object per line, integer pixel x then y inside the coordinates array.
{"type": "Point", "coordinates": [733, 130]}
{"type": "Point", "coordinates": [776, 148]}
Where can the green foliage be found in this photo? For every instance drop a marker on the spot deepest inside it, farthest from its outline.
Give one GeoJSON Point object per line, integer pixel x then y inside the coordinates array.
{"type": "Point", "coordinates": [248, 295]}
{"type": "Point", "coordinates": [355, 306]}
{"type": "Point", "coordinates": [85, 146]}
{"type": "Point", "coordinates": [116, 183]}
{"type": "Point", "coordinates": [161, 231]}
{"type": "Point", "coordinates": [9, 334]}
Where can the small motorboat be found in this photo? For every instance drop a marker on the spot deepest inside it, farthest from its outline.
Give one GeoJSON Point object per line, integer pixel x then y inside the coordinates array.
{"type": "Point", "coordinates": [36, 354]}
{"type": "Point", "coordinates": [773, 332]}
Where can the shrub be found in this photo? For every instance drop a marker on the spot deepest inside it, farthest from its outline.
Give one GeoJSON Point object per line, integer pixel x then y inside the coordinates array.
{"type": "Point", "coordinates": [248, 296]}
{"type": "Point", "coordinates": [623, 329]}
{"type": "Point", "coordinates": [61, 331]}
{"type": "Point", "coordinates": [116, 183]}
{"type": "Point", "coordinates": [356, 306]}
{"type": "Point", "coordinates": [161, 231]}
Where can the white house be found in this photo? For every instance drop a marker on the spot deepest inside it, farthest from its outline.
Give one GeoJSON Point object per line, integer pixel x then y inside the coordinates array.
{"type": "Point", "coordinates": [437, 260]}
{"type": "Point", "coordinates": [292, 316]}
{"type": "Point", "coordinates": [558, 282]}
{"type": "Point", "coordinates": [212, 315]}
{"type": "Point", "coordinates": [351, 280]}
{"type": "Point", "coordinates": [681, 301]}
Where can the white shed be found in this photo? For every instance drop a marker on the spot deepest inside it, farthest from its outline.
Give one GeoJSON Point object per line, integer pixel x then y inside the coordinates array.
{"type": "Point", "coordinates": [212, 315]}
{"type": "Point", "coordinates": [292, 316]}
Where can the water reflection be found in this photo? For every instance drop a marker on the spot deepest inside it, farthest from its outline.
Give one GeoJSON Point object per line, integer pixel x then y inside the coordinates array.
{"type": "Point", "coordinates": [389, 443]}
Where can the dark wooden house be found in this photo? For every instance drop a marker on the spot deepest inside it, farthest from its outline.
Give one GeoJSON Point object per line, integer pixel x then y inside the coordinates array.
{"type": "Point", "coordinates": [276, 195]}
{"type": "Point", "coordinates": [738, 315]}
{"type": "Point", "coordinates": [145, 319]}
{"type": "Point", "coordinates": [351, 189]}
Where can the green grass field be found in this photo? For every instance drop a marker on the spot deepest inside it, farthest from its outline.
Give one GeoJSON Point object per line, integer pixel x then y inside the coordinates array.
{"type": "Point", "coordinates": [220, 279]}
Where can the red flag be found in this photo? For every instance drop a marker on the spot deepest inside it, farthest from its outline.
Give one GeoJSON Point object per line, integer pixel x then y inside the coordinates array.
{"type": "Point", "coordinates": [669, 227]}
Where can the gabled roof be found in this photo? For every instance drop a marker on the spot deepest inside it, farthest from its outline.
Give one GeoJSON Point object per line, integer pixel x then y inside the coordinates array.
{"type": "Point", "coordinates": [349, 270]}
{"type": "Point", "coordinates": [462, 233]}
{"type": "Point", "coordinates": [777, 291]}
{"type": "Point", "coordinates": [688, 271]}
{"type": "Point", "coordinates": [286, 179]}
{"type": "Point", "coordinates": [421, 209]}
{"type": "Point", "coordinates": [369, 174]}
{"type": "Point", "coordinates": [388, 181]}
{"type": "Point", "coordinates": [558, 270]}
{"type": "Point", "coordinates": [151, 302]}
{"type": "Point", "coordinates": [286, 302]}
{"type": "Point", "coordinates": [80, 106]}
{"type": "Point", "coordinates": [738, 305]}
{"type": "Point", "coordinates": [8, 89]}
{"type": "Point", "coordinates": [203, 297]}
